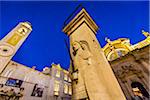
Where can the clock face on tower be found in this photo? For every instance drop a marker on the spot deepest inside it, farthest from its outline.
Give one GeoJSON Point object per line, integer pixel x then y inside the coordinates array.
{"type": "Point", "coordinates": [6, 50]}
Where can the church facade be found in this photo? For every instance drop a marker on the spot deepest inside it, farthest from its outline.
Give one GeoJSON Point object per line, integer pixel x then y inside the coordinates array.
{"type": "Point", "coordinates": [130, 64]}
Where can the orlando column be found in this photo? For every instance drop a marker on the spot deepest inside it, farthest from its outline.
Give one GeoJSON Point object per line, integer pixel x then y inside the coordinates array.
{"type": "Point", "coordinates": [92, 75]}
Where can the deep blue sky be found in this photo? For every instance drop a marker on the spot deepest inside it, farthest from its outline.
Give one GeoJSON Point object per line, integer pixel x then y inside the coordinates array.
{"type": "Point", "coordinates": [46, 42]}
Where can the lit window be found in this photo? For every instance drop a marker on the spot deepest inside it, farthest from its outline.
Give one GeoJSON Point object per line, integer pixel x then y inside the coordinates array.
{"type": "Point", "coordinates": [70, 90]}
{"type": "Point", "coordinates": [56, 88]}
{"type": "Point", "coordinates": [69, 79]}
{"type": "Point", "coordinates": [58, 73]}
{"type": "Point", "coordinates": [65, 88]}
{"type": "Point", "coordinates": [65, 77]}
{"type": "Point", "coordinates": [75, 75]}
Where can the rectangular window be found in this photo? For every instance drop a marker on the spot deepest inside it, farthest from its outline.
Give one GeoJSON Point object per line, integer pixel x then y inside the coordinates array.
{"type": "Point", "coordinates": [65, 88]}
{"type": "Point", "coordinates": [65, 77]}
{"type": "Point", "coordinates": [37, 91]}
{"type": "Point", "coordinates": [75, 75]}
{"type": "Point", "coordinates": [70, 90]}
{"type": "Point", "coordinates": [69, 79]}
{"type": "Point", "coordinates": [56, 87]}
{"type": "Point", "coordinates": [58, 73]}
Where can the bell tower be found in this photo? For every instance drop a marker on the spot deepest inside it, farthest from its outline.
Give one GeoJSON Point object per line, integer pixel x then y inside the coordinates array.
{"type": "Point", "coordinates": [12, 42]}
{"type": "Point", "coordinates": [92, 75]}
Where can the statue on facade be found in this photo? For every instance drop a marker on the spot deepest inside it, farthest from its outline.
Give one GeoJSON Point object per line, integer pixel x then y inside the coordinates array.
{"type": "Point", "coordinates": [85, 63]}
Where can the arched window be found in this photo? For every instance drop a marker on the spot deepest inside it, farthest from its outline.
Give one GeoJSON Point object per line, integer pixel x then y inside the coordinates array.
{"type": "Point", "coordinates": [141, 88]}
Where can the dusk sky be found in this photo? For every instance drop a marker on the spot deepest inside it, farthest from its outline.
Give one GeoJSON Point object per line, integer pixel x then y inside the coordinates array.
{"type": "Point", "coordinates": [46, 45]}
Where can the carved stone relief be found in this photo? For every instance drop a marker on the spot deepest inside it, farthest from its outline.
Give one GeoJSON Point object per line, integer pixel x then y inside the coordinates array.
{"type": "Point", "coordinates": [127, 70]}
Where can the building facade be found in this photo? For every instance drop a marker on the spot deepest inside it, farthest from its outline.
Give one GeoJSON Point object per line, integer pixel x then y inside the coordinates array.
{"type": "Point", "coordinates": [18, 81]}
{"type": "Point", "coordinates": [51, 84]}
{"type": "Point", "coordinates": [130, 64]}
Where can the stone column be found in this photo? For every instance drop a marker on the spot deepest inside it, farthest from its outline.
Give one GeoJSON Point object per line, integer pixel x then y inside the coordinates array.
{"type": "Point", "coordinates": [86, 52]}
{"type": "Point", "coordinates": [145, 65]}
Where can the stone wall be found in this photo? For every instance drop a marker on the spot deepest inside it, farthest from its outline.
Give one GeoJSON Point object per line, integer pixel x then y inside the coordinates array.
{"type": "Point", "coordinates": [31, 79]}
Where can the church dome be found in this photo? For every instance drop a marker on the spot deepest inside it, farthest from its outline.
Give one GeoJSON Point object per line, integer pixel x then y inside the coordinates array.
{"type": "Point", "coordinates": [117, 48]}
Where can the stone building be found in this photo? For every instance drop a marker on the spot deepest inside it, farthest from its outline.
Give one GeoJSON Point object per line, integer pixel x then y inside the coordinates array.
{"type": "Point", "coordinates": [51, 84]}
{"type": "Point", "coordinates": [18, 81]}
{"type": "Point", "coordinates": [130, 64]}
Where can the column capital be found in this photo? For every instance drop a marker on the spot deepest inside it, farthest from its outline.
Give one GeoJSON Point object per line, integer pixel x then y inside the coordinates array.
{"type": "Point", "coordinates": [78, 20]}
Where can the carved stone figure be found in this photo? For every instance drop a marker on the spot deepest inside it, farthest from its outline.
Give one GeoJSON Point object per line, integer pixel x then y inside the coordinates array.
{"type": "Point", "coordinates": [85, 63]}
